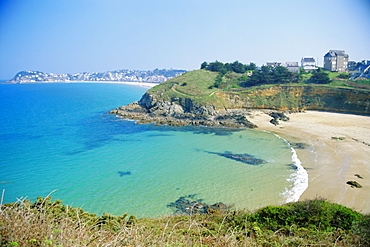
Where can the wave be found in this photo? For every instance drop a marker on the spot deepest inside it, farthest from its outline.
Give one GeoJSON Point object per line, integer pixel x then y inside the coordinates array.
{"type": "Point", "coordinates": [299, 177]}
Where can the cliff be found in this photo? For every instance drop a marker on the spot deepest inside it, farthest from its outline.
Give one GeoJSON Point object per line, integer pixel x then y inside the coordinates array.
{"type": "Point", "coordinates": [190, 100]}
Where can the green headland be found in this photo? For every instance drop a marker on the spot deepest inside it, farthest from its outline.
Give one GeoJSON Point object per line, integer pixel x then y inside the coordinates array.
{"type": "Point", "coordinates": [222, 94]}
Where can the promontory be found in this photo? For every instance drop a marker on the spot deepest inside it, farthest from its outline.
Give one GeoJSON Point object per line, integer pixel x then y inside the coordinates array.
{"type": "Point", "coordinates": [224, 97]}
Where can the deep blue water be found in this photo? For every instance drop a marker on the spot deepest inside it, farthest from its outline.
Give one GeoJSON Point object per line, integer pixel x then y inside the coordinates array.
{"type": "Point", "coordinates": [59, 138]}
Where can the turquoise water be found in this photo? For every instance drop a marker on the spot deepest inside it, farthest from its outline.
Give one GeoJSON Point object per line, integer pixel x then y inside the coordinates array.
{"type": "Point", "coordinates": [58, 137]}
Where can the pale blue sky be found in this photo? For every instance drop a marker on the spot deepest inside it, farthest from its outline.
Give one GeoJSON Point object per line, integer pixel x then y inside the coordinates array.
{"type": "Point", "coordinates": [68, 36]}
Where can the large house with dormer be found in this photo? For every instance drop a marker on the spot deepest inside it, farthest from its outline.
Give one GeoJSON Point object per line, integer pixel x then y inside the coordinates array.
{"type": "Point", "coordinates": [336, 60]}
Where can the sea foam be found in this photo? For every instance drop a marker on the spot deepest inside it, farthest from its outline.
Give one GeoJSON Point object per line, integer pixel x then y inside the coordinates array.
{"type": "Point", "coordinates": [299, 178]}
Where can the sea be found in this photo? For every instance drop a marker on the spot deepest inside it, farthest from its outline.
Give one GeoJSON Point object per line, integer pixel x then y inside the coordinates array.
{"type": "Point", "coordinates": [56, 139]}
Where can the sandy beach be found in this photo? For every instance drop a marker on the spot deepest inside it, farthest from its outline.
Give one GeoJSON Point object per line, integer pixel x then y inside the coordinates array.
{"type": "Point", "coordinates": [336, 148]}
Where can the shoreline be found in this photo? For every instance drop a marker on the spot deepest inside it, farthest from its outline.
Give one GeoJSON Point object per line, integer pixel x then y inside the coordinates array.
{"type": "Point", "coordinates": [299, 178]}
{"type": "Point", "coordinates": [333, 147]}
{"type": "Point", "coordinates": [141, 84]}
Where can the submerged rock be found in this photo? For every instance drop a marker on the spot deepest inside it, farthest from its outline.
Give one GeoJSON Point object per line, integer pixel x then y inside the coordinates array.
{"type": "Point", "coordinates": [298, 145]}
{"type": "Point", "coordinates": [245, 158]}
{"type": "Point", "coordinates": [188, 205]}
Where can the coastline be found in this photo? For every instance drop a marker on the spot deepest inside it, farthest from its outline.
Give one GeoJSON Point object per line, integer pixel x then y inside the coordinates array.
{"type": "Point", "coordinates": [141, 84]}
{"type": "Point", "coordinates": [134, 83]}
{"type": "Point", "coordinates": [329, 162]}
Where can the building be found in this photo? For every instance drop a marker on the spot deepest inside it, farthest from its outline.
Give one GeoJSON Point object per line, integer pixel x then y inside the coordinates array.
{"type": "Point", "coordinates": [352, 65]}
{"type": "Point", "coordinates": [362, 69]}
{"type": "Point", "coordinates": [308, 63]}
{"type": "Point", "coordinates": [291, 66]}
{"type": "Point", "coordinates": [336, 60]}
{"type": "Point", "coordinates": [273, 64]}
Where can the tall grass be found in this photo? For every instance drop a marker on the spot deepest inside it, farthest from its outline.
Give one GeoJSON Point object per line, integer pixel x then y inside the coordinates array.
{"type": "Point", "coordinates": [51, 223]}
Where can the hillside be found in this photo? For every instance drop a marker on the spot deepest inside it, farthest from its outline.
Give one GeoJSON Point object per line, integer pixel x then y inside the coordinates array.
{"type": "Point", "coordinates": [192, 99]}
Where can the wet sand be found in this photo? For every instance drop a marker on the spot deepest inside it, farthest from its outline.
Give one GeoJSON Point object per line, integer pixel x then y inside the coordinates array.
{"type": "Point", "coordinates": [336, 147]}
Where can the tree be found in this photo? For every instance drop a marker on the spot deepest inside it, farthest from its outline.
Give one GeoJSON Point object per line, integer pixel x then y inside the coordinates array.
{"type": "Point", "coordinates": [282, 75]}
{"type": "Point", "coordinates": [255, 79]}
{"type": "Point", "coordinates": [238, 67]}
{"type": "Point", "coordinates": [320, 78]}
{"type": "Point", "coordinates": [267, 74]}
{"type": "Point", "coordinates": [251, 66]}
{"type": "Point", "coordinates": [216, 66]}
{"type": "Point", "coordinates": [204, 65]}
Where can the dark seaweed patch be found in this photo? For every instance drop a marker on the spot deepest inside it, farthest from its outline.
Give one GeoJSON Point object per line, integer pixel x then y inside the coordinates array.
{"type": "Point", "coordinates": [121, 174]}
{"type": "Point", "coordinates": [188, 205]}
{"type": "Point", "coordinates": [245, 158]}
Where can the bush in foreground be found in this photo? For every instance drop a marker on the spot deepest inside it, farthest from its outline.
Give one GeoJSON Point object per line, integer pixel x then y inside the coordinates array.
{"type": "Point", "coordinates": [314, 222]}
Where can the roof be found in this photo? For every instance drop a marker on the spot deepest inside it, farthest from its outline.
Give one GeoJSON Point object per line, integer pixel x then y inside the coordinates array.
{"type": "Point", "coordinates": [308, 60]}
{"type": "Point", "coordinates": [334, 53]}
{"type": "Point", "coordinates": [292, 64]}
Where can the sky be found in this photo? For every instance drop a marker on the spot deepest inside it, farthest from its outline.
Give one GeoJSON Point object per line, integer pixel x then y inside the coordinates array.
{"type": "Point", "coordinates": [70, 36]}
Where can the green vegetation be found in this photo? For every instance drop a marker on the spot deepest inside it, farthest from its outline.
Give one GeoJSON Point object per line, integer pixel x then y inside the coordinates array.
{"type": "Point", "coordinates": [319, 77]}
{"type": "Point", "coordinates": [236, 75]}
{"type": "Point", "coordinates": [192, 83]}
{"type": "Point", "coordinates": [338, 138]}
{"type": "Point", "coordinates": [236, 67]}
{"type": "Point", "coordinates": [313, 222]}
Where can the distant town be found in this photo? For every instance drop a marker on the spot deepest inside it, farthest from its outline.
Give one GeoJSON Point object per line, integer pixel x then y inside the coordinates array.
{"type": "Point", "coordinates": [124, 75]}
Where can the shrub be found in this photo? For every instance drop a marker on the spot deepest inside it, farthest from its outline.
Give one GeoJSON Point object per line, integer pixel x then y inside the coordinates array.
{"type": "Point", "coordinates": [311, 213]}
{"type": "Point", "coordinates": [362, 229]}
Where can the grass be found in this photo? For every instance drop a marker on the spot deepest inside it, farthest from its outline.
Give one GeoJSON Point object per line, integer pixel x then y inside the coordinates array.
{"type": "Point", "coordinates": [314, 222]}
{"type": "Point", "coordinates": [195, 83]}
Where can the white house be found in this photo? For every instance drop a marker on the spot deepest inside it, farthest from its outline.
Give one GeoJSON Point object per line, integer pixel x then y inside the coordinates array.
{"type": "Point", "coordinates": [308, 63]}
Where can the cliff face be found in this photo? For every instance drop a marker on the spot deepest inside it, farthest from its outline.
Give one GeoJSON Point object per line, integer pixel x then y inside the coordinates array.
{"type": "Point", "coordinates": [299, 98]}
{"type": "Point", "coordinates": [187, 100]}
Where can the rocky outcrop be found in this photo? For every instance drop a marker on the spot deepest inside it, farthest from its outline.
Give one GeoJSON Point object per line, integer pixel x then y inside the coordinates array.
{"type": "Point", "coordinates": [276, 116]}
{"type": "Point", "coordinates": [354, 184]}
{"type": "Point", "coordinates": [148, 110]}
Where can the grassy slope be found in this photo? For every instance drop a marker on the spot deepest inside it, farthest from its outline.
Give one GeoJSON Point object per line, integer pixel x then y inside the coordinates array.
{"type": "Point", "coordinates": [194, 85]}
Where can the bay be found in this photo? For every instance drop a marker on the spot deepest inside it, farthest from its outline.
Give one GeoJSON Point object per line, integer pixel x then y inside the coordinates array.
{"type": "Point", "coordinates": [59, 138]}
